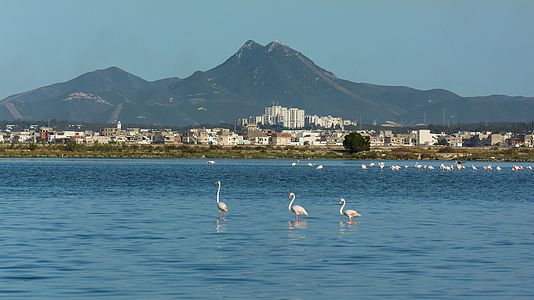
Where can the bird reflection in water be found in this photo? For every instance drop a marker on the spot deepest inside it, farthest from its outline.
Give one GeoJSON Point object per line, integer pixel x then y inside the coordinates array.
{"type": "Point", "coordinates": [345, 227]}
{"type": "Point", "coordinates": [219, 224]}
{"type": "Point", "coordinates": [294, 227]}
{"type": "Point", "coordinates": [297, 224]}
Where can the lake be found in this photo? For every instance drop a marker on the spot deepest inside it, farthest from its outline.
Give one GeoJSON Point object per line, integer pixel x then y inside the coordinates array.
{"type": "Point", "coordinates": [148, 229]}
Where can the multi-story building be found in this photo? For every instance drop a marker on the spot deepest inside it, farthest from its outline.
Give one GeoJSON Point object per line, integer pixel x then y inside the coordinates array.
{"type": "Point", "coordinates": [424, 137]}
{"type": "Point", "coordinates": [324, 122]}
{"type": "Point", "coordinates": [295, 118]}
{"type": "Point", "coordinates": [497, 139]}
{"type": "Point", "coordinates": [529, 140]}
{"type": "Point", "coordinates": [225, 137]}
{"type": "Point", "coordinates": [276, 114]}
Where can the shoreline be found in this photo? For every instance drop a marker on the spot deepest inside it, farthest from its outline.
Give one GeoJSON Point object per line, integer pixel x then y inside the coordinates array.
{"type": "Point", "coordinates": [267, 152]}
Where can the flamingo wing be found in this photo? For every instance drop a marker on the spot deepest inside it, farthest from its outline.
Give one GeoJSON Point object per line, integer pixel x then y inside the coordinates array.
{"type": "Point", "coordinates": [222, 206]}
{"type": "Point", "coordinates": [351, 213]}
{"type": "Point", "coordinates": [299, 210]}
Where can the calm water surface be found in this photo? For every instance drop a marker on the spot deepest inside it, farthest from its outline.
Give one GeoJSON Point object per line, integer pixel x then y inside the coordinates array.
{"type": "Point", "coordinates": [148, 229]}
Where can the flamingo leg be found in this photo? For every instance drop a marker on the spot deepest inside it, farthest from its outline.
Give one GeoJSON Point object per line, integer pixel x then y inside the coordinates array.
{"type": "Point", "coordinates": [298, 218]}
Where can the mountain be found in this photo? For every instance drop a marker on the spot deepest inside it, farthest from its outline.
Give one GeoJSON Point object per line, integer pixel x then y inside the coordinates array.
{"type": "Point", "coordinates": [100, 96]}
{"type": "Point", "coordinates": [257, 76]}
{"type": "Point", "coordinates": [254, 77]}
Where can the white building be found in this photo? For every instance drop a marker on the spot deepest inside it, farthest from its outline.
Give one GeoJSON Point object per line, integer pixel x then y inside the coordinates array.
{"type": "Point", "coordinates": [324, 122]}
{"type": "Point", "coordinates": [424, 137]}
{"type": "Point", "coordinates": [295, 118]}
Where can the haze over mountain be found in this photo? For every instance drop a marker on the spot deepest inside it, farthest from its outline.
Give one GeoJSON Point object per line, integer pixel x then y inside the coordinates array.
{"type": "Point", "coordinates": [254, 77]}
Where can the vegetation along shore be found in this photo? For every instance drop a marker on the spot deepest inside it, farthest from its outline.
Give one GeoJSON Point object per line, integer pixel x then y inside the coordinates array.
{"type": "Point", "coordinates": [73, 150]}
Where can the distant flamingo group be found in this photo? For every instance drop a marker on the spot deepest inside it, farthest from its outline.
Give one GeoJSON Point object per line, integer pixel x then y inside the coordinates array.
{"type": "Point", "coordinates": [458, 166]}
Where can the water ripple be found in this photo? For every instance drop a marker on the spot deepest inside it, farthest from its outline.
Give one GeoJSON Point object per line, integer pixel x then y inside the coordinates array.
{"type": "Point", "coordinates": [148, 229]}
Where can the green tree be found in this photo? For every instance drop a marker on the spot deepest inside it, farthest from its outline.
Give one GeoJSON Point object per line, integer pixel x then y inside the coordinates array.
{"type": "Point", "coordinates": [442, 142]}
{"type": "Point", "coordinates": [355, 142]}
{"type": "Point", "coordinates": [71, 146]}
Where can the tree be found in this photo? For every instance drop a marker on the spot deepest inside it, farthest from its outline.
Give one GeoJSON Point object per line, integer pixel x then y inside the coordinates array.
{"type": "Point", "coordinates": [442, 142]}
{"type": "Point", "coordinates": [71, 146]}
{"type": "Point", "coordinates": [355, 142]}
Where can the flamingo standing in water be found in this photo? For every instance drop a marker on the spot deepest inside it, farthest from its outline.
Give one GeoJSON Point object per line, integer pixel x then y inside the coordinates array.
{"type": "Point", "coordinates": [221, 206]}
{"type": "Point", "coordinates": [297, 209]}
{"type": "Point", "coordinates": [349, 212]}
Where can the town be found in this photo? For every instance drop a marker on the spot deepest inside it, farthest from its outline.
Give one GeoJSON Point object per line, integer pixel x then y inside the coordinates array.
{"type": "Point", "coordinates": [329, 131]}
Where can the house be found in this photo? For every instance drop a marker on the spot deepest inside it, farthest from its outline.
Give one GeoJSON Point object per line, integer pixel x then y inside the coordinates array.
{"type": "Point", "coordinates": [281, 139]}
{"type": "Point", "coordinates": [425, 138]}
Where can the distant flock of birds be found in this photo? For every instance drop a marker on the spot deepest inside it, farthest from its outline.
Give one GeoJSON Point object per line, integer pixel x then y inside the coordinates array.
{"type": "Point", "coordinates": [443, 167]}
{"type": "Point", "coordinates": [296, 209]}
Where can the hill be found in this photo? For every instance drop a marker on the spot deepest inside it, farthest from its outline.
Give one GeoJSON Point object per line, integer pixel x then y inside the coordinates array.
{"type": "Point", "coordinates": [254, 77]}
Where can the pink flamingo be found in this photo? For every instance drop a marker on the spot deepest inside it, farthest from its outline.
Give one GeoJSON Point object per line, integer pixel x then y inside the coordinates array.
{"type": "Point", "coordinates": [221, 206]}
{"type": "Point", "coordinates": [297, 209]}
{"type": "Point", "coordinates": [349, 212]}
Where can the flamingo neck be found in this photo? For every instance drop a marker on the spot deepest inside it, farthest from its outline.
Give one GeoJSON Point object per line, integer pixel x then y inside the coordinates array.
{"type": "Point", "coordinates": [291, 202]}
{"type": "Point", "coordinates": [342, 206]}
{"type": "Point", "coordinates": [218, 190]}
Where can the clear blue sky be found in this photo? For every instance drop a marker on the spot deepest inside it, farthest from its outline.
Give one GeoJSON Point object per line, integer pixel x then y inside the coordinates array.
{"type": "Point", "coordinates": [476, 47]}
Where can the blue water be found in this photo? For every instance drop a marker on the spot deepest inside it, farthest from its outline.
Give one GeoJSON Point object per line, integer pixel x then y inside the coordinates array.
{"type": "Point", "coordinates": [148, 229]}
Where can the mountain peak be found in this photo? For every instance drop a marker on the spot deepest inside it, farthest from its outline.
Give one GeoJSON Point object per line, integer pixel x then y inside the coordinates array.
{"type": "Point", "coordinates": [107, 72]}
{"type": "Point", "coordinates": [113, 69]}
{"type": "Point", "coordinates": [250, 46]}
{"type": "Point", "coordinates": [276, 46]}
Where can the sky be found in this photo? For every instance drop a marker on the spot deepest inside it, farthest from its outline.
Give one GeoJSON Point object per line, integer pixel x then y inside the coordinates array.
{"type": "Point", "coordinates": [476, 47]}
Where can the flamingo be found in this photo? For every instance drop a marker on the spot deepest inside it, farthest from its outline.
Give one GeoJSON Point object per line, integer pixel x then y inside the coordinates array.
{"type": "Point", "coordinates": [364, 167]}
{"type": "Point", "coordinates": [221, 206]}
{"type": "Point", "coordinates": [211, 162]}
{"type": "Point", "coordinates": [297, 209]}
{"type": "Point", "coordinates": [349, 212]}
{"type": "Point", "coordinates": [319, 167]}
